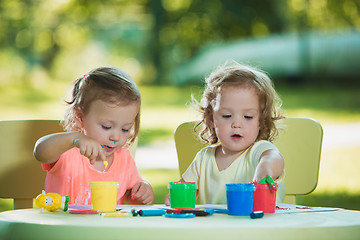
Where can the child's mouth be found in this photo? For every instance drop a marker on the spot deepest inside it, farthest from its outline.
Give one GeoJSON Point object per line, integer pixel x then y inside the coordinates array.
{"type": "Point", "coordinates": [108, 148]}
{"type": "Point", "coordinates": [236, 137]}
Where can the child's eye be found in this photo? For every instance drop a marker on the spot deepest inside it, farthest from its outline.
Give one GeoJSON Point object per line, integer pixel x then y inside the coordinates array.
{"type": "Point", "coordinates": [105, 127]}
{"type": "Point", "coordinates": [226, 116]}
{"type": "Point", "coordinates": [125, 130]}
{"type": "Point", "coordinates": [248, 117]}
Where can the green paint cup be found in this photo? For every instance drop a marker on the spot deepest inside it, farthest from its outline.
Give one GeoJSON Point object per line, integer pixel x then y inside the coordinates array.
{"type": "Point", "coordinates": [182, 195]}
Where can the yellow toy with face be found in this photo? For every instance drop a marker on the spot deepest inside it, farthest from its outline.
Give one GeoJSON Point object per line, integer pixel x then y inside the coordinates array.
{"type": "Point", "coordinates": [52, 201]}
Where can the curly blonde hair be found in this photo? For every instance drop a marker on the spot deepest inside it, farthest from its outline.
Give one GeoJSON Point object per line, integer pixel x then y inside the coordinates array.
{"type": "Point", "coordinates": [109, 84]}
{"type": "Point", "coordinates": [244, 76]}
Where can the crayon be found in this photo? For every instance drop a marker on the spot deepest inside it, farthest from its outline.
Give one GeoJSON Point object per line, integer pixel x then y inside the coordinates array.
{"type": "Point", "coordinates": [116, 214]}
{"type": "Point", "coordinates": [152, 212]}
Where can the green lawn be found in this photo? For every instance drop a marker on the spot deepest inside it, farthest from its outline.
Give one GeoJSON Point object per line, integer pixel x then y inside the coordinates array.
{"type": "Point", "coordinates": [163, 108]}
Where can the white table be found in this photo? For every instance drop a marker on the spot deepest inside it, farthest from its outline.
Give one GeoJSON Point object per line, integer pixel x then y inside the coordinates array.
{"type": "Point", "coordinates": [37, 224]}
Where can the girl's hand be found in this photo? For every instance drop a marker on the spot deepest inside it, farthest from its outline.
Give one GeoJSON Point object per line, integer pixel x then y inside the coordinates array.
{"type": "Point", "coordinates": [167, 200]}
{"type": "Point", "coordinates": [90, 148]}
{"type": "Point", "coordinates": [271, 164]}
{"type": "Point", "coordinates": [142, 193]}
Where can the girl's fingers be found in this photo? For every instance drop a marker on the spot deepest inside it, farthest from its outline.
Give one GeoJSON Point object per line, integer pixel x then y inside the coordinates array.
{"type": "Point", "coordinates": [89, 153]}
{"type": "Point", "coordinates": [135, 190]}
{"type": "Point", "coordinates": [92, 161]}
{"type": "Point", "coordinates": [82, 150]}
{"type": "Point", "coordinates": [101, 154]}
{"type": "Point", "coordinates": [148, 200]}
{"type": "Point", "coordinates": [92, 152]}
{"type": "Point", "coordinates": [146, 194]}
{"type": "Point", "coordinates": [167, 200]}
{"type": "Point", "coordinates": [90, 149]}
{"type": "Point", "coordinates": [142, 193]}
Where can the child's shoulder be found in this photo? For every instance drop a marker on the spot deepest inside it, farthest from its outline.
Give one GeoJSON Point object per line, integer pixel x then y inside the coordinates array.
{"type": "Point", "coordinates": [209, 149]}
{"type": "Point", "coordinates": [263, 143]}
{"type": "Point", "coordinates": [207, 152]}
{"type": "Point", "coordinates": [261, 146]}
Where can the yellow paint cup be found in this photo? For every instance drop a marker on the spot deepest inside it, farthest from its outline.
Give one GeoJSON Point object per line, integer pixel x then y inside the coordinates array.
{"type": "Point", "coordinates": [104, 196]}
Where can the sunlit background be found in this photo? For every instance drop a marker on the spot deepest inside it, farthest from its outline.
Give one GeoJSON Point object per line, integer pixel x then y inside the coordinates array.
{"type": "Point", "coordinates": [310, 48]}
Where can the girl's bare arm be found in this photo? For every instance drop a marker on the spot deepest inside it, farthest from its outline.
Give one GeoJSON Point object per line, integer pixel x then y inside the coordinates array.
{"type": "Point", "coordinates": [49, 148]}
{"type": "Point", "coordinates": [271, 164]}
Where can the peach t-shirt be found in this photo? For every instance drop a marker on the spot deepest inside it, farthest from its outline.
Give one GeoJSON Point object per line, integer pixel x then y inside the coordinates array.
{"type": "Point", "coordinates": [72, 173]}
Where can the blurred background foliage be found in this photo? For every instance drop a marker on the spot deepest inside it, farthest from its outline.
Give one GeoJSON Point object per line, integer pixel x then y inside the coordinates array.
{"type": "Point", "coordinates": [311, 49]}
{"type": "Point", "coordinates": [155, 40]}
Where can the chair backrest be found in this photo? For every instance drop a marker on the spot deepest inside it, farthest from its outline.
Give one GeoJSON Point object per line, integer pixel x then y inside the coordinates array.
{"type": "Point", "coordinates": [21, 176]}
{"type": "Point", "coordinates": [299, 141]}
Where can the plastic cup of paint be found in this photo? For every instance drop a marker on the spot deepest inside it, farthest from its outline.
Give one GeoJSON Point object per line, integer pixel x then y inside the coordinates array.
{"type": "Point", "coordinates": [264, 198]}
{"type": "Point", "coordinates": [104, 196]}
{"type": "Point", "coordinates": [182, 195]}
{"type": "Point", "coordinates": [240, 198]}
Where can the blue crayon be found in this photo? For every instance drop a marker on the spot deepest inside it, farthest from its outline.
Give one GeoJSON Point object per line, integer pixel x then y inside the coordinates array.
{"type": "Point", "coordinates": [152, 212]}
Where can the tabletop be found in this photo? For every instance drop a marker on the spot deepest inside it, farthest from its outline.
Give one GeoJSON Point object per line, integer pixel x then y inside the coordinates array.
{"type": "Point", "coordinates": [39, 224]}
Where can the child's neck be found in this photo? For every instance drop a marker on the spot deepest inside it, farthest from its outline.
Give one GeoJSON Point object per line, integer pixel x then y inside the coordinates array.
{"type": "Point", "coordinates": [225, 159]}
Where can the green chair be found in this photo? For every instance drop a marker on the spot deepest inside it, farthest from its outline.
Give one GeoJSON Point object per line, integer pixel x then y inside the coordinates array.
{"type": "Point", "coordinates": [299, 142]}
{"type": "Point", "coordinates": [21, 175]}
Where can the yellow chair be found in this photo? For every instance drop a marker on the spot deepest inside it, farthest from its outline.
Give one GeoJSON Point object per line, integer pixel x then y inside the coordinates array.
{"type": "Point", "coordinates": [21, 175]}
{"type": "Point", "coordinates": [299, 141]}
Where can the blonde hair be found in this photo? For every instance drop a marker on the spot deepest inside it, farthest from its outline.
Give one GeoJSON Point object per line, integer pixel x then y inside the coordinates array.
{"type": "Point", "coordinates": [244, 76]}
{"type": "Point", "coordinates": [109, 84]}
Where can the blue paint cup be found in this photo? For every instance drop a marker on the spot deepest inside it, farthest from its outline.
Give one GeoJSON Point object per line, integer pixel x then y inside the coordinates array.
{"type": "Point", "coordinates": [240, 198]}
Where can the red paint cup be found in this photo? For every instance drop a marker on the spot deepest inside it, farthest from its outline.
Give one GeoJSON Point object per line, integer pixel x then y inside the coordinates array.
{"type": "Point", "coordinates": [264, 198]}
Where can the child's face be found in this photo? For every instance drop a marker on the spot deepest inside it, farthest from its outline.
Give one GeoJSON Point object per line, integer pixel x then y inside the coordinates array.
{"type": "Point", "coordinates": [236, 118]}
{"type": "Point", "coordinates": [109, 123]}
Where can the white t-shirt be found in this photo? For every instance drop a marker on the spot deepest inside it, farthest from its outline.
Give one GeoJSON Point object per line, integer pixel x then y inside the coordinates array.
{"type": "Point", "coordinates": [204, 171]}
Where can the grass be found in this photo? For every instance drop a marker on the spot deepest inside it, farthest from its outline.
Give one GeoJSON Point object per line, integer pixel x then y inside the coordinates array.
{"type": "Point", "coordinates": [164, 108]}
{"type": "Point", "coordinates": [6, 204]}
{"type": "Point", "coordinates": [327, 104]}
{"type": "Point", "coordinates": [340, 199]}
{"type": "Point", "coordinates": [339, 171]}
{"type": "Point", "coordinates": [159, 179]}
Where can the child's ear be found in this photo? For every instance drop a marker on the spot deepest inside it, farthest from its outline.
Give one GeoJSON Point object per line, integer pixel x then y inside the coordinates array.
{"type": "Point", "coordinates": [79, 115]}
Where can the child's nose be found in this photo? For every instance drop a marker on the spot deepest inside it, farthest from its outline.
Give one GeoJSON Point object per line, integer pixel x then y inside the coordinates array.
{"type": "Point", "coordinates": [237, 123]}
{"type": "Point", "coordinates": [114, 138]}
